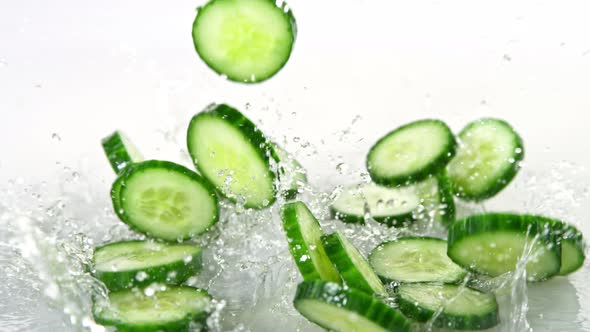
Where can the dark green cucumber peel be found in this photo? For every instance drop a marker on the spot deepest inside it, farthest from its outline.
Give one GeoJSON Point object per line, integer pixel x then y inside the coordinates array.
{"type": "Point", "coordinates": [118, 154]}
{"type": "Point", "coordinates": [350, 301]}
{"type": "Point", "coordinates": [572, 244]}
{"type": "Point", "coordinates": [400, 220]}
{"type": "Point", "coordinates": [447, 199]}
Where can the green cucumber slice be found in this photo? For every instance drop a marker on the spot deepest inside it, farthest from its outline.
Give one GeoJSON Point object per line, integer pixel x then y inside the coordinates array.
{"type": "Point", "coordinates": [291, 174]}
{"type": "Point", "coordinates": [352, 266]}
{"type": "Point", "coordinates": [346, 309]}
{"type": "Point", "coordinates": [493, 243]}
{"type": "Point", "coordinates": [452, 306]}
{"type": "Point", "coordinates": [572, 243]}
{"type": "Point", "coordinates": [411, 153]}
{"type": "Point", "coordinates": [305, 244]}
{"type": "Point", "coordinates": [437, 200]}
{"type": "Point", "coordinates": [248, 41]}
{"type": "Point", "coordinates": [127, 264]}
{"type": "Point", "coordinates": [415, 259]}
{"type": "Point", "coordinates": [165, 200]}
{"type": "Point", "coordinates": [232, 154]}
{"type": "Point", "coordinates": [487, 159]}
{"type": "Point", "coordinates": [120, 151]}
{"type": "Point", "coordinates": [391, 206]}
{"type": "Point", "coordinates": [168, 308]}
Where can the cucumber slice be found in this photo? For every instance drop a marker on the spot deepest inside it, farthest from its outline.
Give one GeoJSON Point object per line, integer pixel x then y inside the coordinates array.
{"type": "Point", "coordinates": [305, 244]}
{"type": "Point", "coordinates": [168, 309]}
{"type": "Point", "coordinates": [411, 153]}
{"type": "Point", "coordinates": [437, 200]}
{"type": "Point", "coordinates": [120, 151]}
{"type": "Point", "coordinates": [391, 206]}
{"type": "Point", "coordinates": [487, 159]}
{"type": "Point", "coordinates": [352, 266]}
{"type": "Point", "coordinates": [415, 259]}
{"type": "Point", "coordinates": [248, 41]}
{"type": "Point", "coordinates": [165, 200]}
{"type": "Point", "coordinates": [572, 243]}
{"type": "Point", "coordinates": [493, 243]}
{"type": "Point", "coordinates": [291, 174]}
{"type": "Point", "coordinates": [453, 307]}
{"type": "Point", "coordinates": [346, 309]}
{"type": "Point", "coordinates": [127, 264]}
{"type": "Point", "coordinates": [230, 152]}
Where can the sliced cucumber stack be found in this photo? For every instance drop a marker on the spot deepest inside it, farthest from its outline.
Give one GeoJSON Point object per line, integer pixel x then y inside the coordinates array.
{"type": "Point", "coordinates": [120, 151]}
{"type": "Point", "coordinates": [230, 152]}
{"type": "Point", "coordinates": [346, 309]}
{"type": "Point", "coordinates": [165, 200]}
{"type": "Point", "coordinates": [436, 199]}
{"type": "Point", "coordinates": [415, 259]}
{"type": "Point", "coordinates": [487, 159]}
{"type": "Point", "coordinates": [391, 206]}
{"type": "Point", "coordinates": [572, 244]}
{"type": "Point", "coordinates": [411, 153]}
{"type": "Point", "coordinates": [168, 308]}
{"type": "Point", "coordinates": [352, 266]}
{"type": "Point", "coordinates": [248, 41]}
{"type": "Point", "coordinates": [451, 306]}
{"type": "Point", "coordinates": [305, 244]}
{"type": "Point", "coordinates": [291, 174]}
{"type": "Point", "coordinates": [493, 244]}
{"type": "Point", "coordinates": [127, 264]}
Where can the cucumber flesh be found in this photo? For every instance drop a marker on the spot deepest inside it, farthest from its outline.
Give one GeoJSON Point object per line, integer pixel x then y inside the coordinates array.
{"type": "Point", "coordinates": [415, 259]}
{"type": "Point", "coordinates": [572, 243]}
{"type": "Point", "coordinates": [120, 151]}
{"type": "Point", "coordinates": [436, 199]}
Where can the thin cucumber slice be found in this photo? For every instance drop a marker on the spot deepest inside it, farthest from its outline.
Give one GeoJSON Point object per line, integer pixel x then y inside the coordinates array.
{"type": "Point", "coordinates": [493, 244]}
{"type": "Point", "coordinates": [120, 151]}
{"type": "Point", "coordinates": [451, 306]}
{"type": "Point", "coordinates": [352, 266]}
{"type": "Point", "coordinates": [232, 154]}
{"type": "Point", "coordinates": [411, 153]}
{"type": "Point", "coordinates": [487, 159]}
{"type": "Point", "coordinates": [305, 244]}
{"type": "Point", "coordinates": [127, 264]}
{"type": "Point", "coordinates": [346, 309]}
{"type": "Point", "coordinates": [291, 174]}
{"type": "Point", "coordinates": [168, 308]}
{"type": "Point", "coordinates": [248, 41]}
{"type": "Point", "coordinates": [572, 243]}
{"type": "Point", "coordinates": [391, 206]}
{"type": "Point", "coordinates": [165, 200]}
{"type": "Point", "coordinates": [415, 259]}
{"type": "Point", "coordinates": [436, 199]}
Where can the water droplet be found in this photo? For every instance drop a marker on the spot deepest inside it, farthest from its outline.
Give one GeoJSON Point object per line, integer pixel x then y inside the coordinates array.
{"type": "Point", "coordinates": [141, 276]}
{"type": "Point", "coordinates": [296, 139]}
{"type": "Point", "coordinates": [507, 58]}
{"type": "Point", "coordinates": [55, 137]}
{"type": "Point", "coordinates": [342, 168]}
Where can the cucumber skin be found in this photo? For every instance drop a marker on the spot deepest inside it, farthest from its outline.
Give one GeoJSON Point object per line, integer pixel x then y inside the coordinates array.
{"type": "Point", "coordinates": [115, 281]}
{"type": "Point", "coordinates": [463, 322]}
{"type": "Point", "coordinates": [433, 168]}
{"type": "Point", "coordinates": [293, 24]}
{"type": "Point", "coordinates": [568, 233]}
{"type": "Point", "coordinates": [446, 196]}
{"type": "Point", "coordinates": [237, 120]}
{"type": "Point", "coordinates": [504, 180]}
{"type": "Point", "coordinates": [116, 152]}
{"type": "Point", "coordinates": [117, 188]}
{"type": "Point", "coordinates": [400, 220]}
{"type": "Point", "coordinates": [503, 222]}
{"type": "Point", "coordinates": [353, 300]}
{"type": "Point", "coordinates": [175, 326]}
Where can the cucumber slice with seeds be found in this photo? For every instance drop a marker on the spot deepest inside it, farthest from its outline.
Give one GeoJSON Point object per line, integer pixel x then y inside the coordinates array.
{"type": "Point", "coordinates": [291, 174]}
{"type": "Point", "coordinates": [411, 153]}
{"type": "Point", "coordinates": [232, 154]}
{"type": "Point", "coordinates": [248, 41]}
{"type": "Point", "coordinates": [487, 159]}
{"type": "Point", "coordinates": [415, 259]}
{"type": "Point", "coordinates": [451, 306]}
{"type": "Point", "coordinates": [493, 244]}
{"type": "Point", "coordinates": [127, 264]}
{"type": "Point", "coordinates": [346, 309]}
{"type": "Point", "coordinates": [165, 200]}
{"type": "Point", "coordinates": [168, 308]}
{"type": "Point", "coordinates": [304, 237]}
{"type": "Point", "coordinates": [120, 151]}
{"type": "Point", "coordinates": [352, 266]}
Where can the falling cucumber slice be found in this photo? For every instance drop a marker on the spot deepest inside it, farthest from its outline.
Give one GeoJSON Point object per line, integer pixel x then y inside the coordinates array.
{"type": "Point", "coordinates": [572, 243]}
{"type": "Point", "coordinates": [437, 200]}
{"type": "Point", "coordinates": [291, 174]}
{"type": "Point", "coordinates": [120, 151]}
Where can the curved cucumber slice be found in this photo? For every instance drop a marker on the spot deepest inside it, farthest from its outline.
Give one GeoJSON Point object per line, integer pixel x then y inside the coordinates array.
{"type": "Point", "coordinates": [493, 244]}
{"type": "Point", "coordinates": [126, 264]}
{"type": "Point", "coordinates": [305, 244]}
{"type": "Point", "coordinates": [346, 309]}
{"type": "Point", "coordinates": [352, 266]}
{"type": "Point", "coordinates": [291, 174]}
{"type": "Point", "coordinates": [168, 309]}
{"type": "Point", "coordinates": [391, 206]}
{"type": "Point", "coordinates": [120, 151]}
{"type": "Point", "coordinates": [411, 153]}
{"type": "Point", "coordinates": [572, 243]}
{"type": "Point", "coordinates": [415, 259]}
{"type": "Point", "coordinates": [230, 152]}
{"type": "Point", "coordinates": [165, 200]}
{"type": "Point", "coordinates": [487, 160]}
{"type": "Point", "coordinates": [437, 200]}
{"type": "Point", "coordinates": [461, 308]}
{"type": "Point", "coordinates": [248, 41]}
